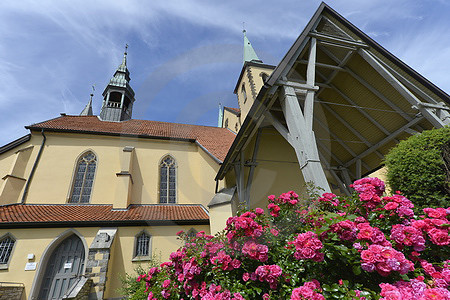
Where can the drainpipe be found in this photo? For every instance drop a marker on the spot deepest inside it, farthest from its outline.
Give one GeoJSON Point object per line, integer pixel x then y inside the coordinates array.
{"type": "Point", "coordinates": [38, 157]}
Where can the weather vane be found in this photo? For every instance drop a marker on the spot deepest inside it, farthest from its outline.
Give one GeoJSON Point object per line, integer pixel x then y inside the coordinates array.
{"type": "Point", "coordinates": [126, 48]}
{"type": "Point", "coordinates": [243, 27]}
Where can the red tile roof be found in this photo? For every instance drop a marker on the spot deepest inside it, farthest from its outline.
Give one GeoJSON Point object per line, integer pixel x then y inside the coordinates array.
{"type": "Point", "coordinates": [16, 215]}
{"type": "Point", "coordinates": [215, 140]}
{"type": "Point", "coordinates": [232, 109]}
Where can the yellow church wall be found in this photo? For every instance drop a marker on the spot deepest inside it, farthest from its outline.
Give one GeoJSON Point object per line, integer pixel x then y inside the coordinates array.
{"type": "Point", "coordinates": [277, 170]}
{"type": "Point", "coordinates": [219, 215]}
{"type": "Point", "coordinates": [35, 241]}
{"type": "Point", "coordinates": [164, 241]}
{"type": "Point", "coordinates": [195, 170]}
{"type": "Point", "coordinates": [253, 82]}
{"type": "Point", "coordinates": [257, 75]}
{"type": "Point", "coordinates": [234, 124]}
{"type": "Point", "coordinates": [15, 167]}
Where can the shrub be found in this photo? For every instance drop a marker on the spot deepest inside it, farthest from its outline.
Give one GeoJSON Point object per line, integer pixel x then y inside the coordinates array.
{"type": "Point", "coordinates": [133, 289]}
{"type": "Point", "coordinates": [416, 167]}
{"type": "Point", "coordinates": [365, 247]}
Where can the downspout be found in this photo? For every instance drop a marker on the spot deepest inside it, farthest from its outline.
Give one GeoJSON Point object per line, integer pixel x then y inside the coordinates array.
{"type": "Point", "coordinates": [38, 157]}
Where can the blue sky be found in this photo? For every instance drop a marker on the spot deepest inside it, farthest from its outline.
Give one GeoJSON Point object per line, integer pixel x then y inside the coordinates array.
{"type": "Point", "coordinates": [184, 56]}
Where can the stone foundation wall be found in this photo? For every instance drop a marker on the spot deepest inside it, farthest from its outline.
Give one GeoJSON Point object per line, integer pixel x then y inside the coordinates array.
{"type": "Point", "coordinates": [13, 292]}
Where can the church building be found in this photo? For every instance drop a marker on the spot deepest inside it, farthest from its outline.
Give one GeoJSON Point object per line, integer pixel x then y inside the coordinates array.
{"type": "Point", "coordinates": [85, 199]}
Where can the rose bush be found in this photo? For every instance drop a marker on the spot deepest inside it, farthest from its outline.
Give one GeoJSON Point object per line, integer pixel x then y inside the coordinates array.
{"type": "Point", "coordinates": [369, 246]}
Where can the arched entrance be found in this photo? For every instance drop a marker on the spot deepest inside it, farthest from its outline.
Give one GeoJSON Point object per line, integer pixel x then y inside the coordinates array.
{"type": "Point", "coordinates": [64, 267]}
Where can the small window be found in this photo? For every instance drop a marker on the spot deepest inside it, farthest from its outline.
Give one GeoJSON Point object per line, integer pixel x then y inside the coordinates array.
{"type": "Point", "coordinates": [6, 247]}
{"type": "Point", "coordinates": [192, 233]}
{"type": "Point", "coordinates": [236, 127]}
{"type": "Point", "coordinates": [226, 123]}
{"type": "Point", "coordinates": [142, 249]}
{"type": "Point", "coordinates": [84, 178]}
{"type": "Point", "coordinates": [167, 180]}
{"type": "Point", "coordinates": [244, 94]}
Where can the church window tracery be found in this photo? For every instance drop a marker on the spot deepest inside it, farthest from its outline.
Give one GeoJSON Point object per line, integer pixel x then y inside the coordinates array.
{"type": "Point", "coordinates": [83, 178]}
{"type": "Point", "coordinates": [167, 180]}
{"type": "Point", "coordinates": [142, 247]}
{"type": "Point", "coordinates": [6, 247]}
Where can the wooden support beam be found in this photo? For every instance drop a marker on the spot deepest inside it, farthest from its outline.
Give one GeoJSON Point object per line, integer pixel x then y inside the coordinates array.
{"type": "Point", "coordinates": [333, 45]}
{"type": "Point", "coordinates": [384, 141]}
{"type": "Point", "coordinates": [345, 173]}
{"type": "Point", "coordinates": [341, 164]}
{"type": "Point", "coordinates": [286, 68]}
{"type": "Point", "coordinates": [308, 112]}
{"type": "Point", "coordinates": [411, 131]}
{"type": "Point", "coordinates": [238, 174]}
{"type": "Point", "coordinates": [282, 130]}
{"type": "Point", "coordinates": [298, 85]}
{"type": "Point", "coordinates": [242, 177]}
{"type": "Point", "coordinates": [362, 111]}
{"type": "Point", "coordinates": [358, 168]}
{"type": "Point", "coordinates": [338, 140]}
{"type": "Point", "coordinates": [371, 88]}
{"type": "Point", "coordinates": [408, 83]}
{"type": "Point", "coordinates": [337, 40]}
{"type": "Point", "coordinates": [347, 98]}
{"type": "Point", "coordinates": [258, 124]}
{"type": "Point", "coordinates": [340, 63]}
{"type": "Point", "coordinates": [326, 66]}
{"type": "Point", "coordinates": [349, 127]}
{"type": "Point", "coordinates": [252, 169]}
{"type": "Point", "coordinates": [304, 142]}
{"type": "Point", "coordinates": [342, 186]}
{"type": "Point", "coordinates": [437, 106]}
{"type": "Point", "coordinates": [397, 85]}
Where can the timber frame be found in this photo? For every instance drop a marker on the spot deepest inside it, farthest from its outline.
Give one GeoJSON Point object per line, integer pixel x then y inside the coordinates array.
{"type": "Point", "coordinates": [341, 101]}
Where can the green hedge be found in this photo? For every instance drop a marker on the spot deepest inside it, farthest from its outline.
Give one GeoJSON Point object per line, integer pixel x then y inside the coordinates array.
{"type": "Point", "coordinates": [416, 167]}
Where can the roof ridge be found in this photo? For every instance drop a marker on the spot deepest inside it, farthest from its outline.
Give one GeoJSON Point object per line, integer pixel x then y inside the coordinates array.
{"type": "Point", "coordinates": [125, 121]}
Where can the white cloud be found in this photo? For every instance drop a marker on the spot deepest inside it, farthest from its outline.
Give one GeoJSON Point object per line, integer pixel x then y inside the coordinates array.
{"type": "Point", "coordinates": [52, 51]}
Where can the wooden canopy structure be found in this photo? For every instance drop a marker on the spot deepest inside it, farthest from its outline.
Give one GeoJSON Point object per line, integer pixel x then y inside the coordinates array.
{"type": "Point", "coordinates": [341, 101]}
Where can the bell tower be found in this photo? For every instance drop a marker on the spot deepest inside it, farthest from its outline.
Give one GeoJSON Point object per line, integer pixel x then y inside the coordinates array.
{"type": "Point", "coordinates": [118, 96]}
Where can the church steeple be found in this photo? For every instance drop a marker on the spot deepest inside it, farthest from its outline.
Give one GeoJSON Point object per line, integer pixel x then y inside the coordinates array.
{"type": "Point", "coordinates": [118, 96]}
{"type": "Point", "coordinates": [87, 111]}
{"type": "Point", "coordinates": [249, 52]}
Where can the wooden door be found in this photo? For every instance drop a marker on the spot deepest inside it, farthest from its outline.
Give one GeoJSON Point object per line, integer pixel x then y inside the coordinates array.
{"type": "Point", "coordinates": [64, 267]}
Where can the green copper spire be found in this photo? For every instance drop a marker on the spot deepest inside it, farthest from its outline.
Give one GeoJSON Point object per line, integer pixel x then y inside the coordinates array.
{"type": "Point", "coordinates": [249, 52]}
{"type": "Point", "coordinates": [118, 96]}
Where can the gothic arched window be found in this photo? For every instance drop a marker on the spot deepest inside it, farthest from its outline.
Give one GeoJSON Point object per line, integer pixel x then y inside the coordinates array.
{"type": "Point", "coordinates": [6, 247]}
{"type": "Point", "coordinates": [167, 180]}
{"type": "Point", "coordinates": [83, 178]}
{"type": "Point", "coordinates": [244, 93]}
{"type": "Point", "coordinates": [142, 246]}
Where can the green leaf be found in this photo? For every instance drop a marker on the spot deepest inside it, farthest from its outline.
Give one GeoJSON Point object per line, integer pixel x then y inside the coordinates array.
{"type": "Point", "coordinates": [356, 270]}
